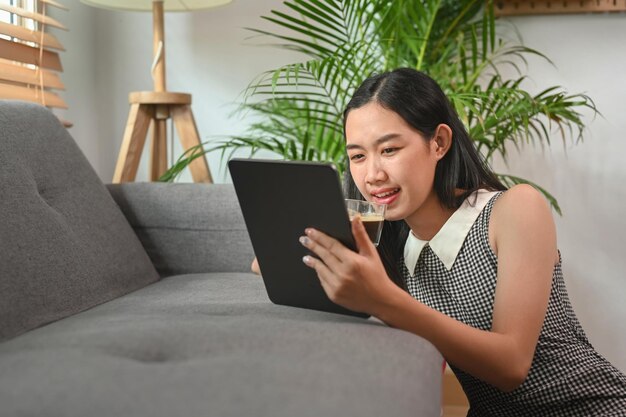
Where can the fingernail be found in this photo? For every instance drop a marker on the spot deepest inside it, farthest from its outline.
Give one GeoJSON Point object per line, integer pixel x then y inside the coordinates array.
{"type": "Point", "coordinates": [304, 240]}
{"type": "Point", "coordinates": [309, 232]}
{"type": "Point", "coordinates": [306, 259]}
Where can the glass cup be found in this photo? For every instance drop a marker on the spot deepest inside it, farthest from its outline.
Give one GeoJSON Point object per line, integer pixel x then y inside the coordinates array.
{"type": "Point", "coordinates": [372, 215]}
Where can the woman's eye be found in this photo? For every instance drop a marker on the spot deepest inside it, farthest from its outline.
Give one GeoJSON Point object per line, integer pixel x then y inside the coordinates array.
{"type": "Point", "coordinates": [388, 151]}
{"type": "Point", "coordinates": [356, 157]}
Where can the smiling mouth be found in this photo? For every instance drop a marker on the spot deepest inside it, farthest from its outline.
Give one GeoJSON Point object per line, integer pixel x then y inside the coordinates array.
{"type": "Point", "coordinates": [387, 193]}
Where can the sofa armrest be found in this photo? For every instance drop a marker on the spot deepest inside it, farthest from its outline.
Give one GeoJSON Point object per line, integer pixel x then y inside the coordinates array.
{"type": "Point", "coordinates": [187, 228]}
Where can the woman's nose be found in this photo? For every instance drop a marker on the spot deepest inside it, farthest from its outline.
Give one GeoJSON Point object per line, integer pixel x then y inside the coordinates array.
{"type": "Point", "coordinates": [375, 172]}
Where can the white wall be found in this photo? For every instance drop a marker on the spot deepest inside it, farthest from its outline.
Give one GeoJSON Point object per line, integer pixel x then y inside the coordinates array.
{"type": "Point", "coordinates": [79, 75]}
{"type": "Point", "coordinates": [587, 178]}
{"type": "Point", "coordinates": [110, 55]}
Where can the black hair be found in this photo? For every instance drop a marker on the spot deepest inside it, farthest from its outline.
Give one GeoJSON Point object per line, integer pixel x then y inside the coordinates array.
{"type": "Point", "coordinates": [422, 104]}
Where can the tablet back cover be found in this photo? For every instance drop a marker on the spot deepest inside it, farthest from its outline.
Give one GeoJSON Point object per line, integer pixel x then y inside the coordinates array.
{"type": "Point", "coordinates": [279, 199]}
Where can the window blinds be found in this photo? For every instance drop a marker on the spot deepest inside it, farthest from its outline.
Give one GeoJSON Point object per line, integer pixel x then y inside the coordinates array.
{"type": "Point", "coordinates": [29, 54]}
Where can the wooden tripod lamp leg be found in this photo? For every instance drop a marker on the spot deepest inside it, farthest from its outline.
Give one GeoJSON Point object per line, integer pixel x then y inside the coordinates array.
{"type": "Point", "coordinates": [158, 149]}
{"type": "Point", "coordinates": [132, 145]}
{"type": "Point", "coordinates": [188, 134]}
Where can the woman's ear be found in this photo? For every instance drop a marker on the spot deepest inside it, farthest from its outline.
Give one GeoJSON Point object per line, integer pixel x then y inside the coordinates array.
{"type": "Point", "coordinates": [441, 141]}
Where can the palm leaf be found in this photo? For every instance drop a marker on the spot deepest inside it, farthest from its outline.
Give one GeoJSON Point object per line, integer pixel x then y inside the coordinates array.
{"type": "Point", "coordinates": [298, 106]}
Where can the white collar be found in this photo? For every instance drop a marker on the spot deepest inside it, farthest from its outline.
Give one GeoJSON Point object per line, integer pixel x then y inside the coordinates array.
{"type": "Point", "coordinates": [448, 241]}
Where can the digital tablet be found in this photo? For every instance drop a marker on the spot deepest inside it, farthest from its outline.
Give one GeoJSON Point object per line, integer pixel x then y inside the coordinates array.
{"type": "Point", "coordinates": [279, 199]}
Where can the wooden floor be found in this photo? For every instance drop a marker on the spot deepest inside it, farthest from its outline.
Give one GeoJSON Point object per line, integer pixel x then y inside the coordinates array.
{"type": "Point", "coordinates": [454, 400]}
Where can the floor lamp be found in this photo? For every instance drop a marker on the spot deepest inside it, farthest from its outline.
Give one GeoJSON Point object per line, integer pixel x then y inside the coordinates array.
{"type": "Point", "coordinates": [156, 107]}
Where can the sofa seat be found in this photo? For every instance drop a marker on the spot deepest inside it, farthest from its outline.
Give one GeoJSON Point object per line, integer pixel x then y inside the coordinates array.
{"type": "Point", "coordinates": [214, 345]}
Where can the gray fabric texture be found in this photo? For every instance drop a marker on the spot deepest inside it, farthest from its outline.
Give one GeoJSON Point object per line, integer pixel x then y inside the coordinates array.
{"type": "Point", "coordinates": [64, 244]}
{"type": "Point", "coordinates": [213, 345]}
{"type": "Point", "coordinates": [187, 228]}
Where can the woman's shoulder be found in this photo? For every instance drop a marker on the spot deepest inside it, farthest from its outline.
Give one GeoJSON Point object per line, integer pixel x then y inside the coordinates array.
{"type": "Point", "coordinates": [521, 209]}
{"type": "Point", "coordinates": [521, 199]}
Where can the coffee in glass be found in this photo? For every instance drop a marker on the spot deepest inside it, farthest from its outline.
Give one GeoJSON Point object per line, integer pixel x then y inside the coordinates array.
{"type": "Point", "coordinates": [372, 216]}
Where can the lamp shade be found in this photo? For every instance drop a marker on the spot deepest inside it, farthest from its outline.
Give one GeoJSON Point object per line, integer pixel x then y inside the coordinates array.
{"type": "Point", "coordinates": [146, 5]}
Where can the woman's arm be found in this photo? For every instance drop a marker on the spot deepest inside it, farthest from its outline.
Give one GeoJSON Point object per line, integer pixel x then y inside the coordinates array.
{"type": "Point", "coordinates": [522, 234]}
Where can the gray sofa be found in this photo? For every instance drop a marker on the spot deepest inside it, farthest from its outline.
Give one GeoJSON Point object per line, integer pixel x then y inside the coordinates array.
{"type": "Point", "coordinates": [135, 300]}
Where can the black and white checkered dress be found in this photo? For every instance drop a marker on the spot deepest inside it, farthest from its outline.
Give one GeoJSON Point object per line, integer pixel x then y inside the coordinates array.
{"type": "Point", "coordinates": [567, 377]}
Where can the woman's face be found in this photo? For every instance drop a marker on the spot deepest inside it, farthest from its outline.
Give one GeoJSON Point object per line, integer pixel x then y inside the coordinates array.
{"type": "Point", "coordinates": [390, 162]}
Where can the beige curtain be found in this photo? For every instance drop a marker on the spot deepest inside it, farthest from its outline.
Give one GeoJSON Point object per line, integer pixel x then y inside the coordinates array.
{"type": "Point", "coordinates": [29, 53]}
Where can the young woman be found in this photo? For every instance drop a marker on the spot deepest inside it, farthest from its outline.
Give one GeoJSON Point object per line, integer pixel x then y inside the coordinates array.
{"type": "Point", "coordinates": [463, 262]}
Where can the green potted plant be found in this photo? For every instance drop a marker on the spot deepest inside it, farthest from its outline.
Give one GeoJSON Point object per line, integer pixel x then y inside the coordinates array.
{"type": "Point", "coordinates": [343, 41]}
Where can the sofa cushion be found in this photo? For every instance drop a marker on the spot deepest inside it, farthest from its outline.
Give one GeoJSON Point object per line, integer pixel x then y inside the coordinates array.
{"type": "Point", "coordinates": [213, 345]}
{"type": "Point", "coordinates": [187, 228]}
{"type": "Point", "coordinates": [64, 244]}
